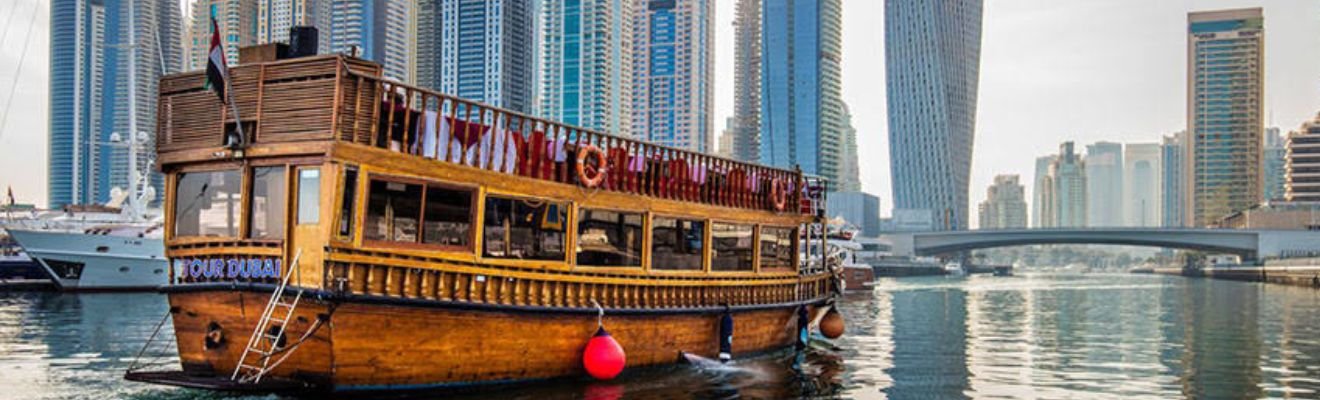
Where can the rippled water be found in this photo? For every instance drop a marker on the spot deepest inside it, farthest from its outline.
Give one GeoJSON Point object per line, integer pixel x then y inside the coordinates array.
{"type": "Point", "coordinates": [1033, 336]}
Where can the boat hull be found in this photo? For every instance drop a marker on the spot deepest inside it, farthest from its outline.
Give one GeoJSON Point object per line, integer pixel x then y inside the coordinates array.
{"type": "Point", "coordinates": [380, 343]}
{"type": "Point", "coordinates": [77, 261]}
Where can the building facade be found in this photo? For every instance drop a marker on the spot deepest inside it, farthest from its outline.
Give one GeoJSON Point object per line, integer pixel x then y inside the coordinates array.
{"type": "Point", "coordinates": [481, 50]}
{"type": "Point", "coordinates": [801, 103]}
{"type": "Point", "coordinates": [932, 63]}
{"type": "Point", "coordinates": [1141, 185]}
{"type": "Point", "coordinates": [1067, 190]}
{"type": "Point", "coordinates": [236, 20]}
{"type": "Point", "coordinates": [586, 64]}
{"type": "Point", "coordinates": [1104, 184]}
{"type": "Point", "coordinates": [849, 172]}
{"type": "Point", "coordinates": [106, 59]}
{"type": "Point", "coordinates": [384, 31]}
{"type": "Point", "coordinates": [1005, 206]}
{"type": "Point", "coordinates": [673, 70]}
{"type": "Point", "coordinates": [275, 18]}
{"type": "Point", "coordinates": [1225, 103]}
{"type": "Point", "coordinates": [861, 210]}
{"type": "Point", "coordinates": [1042, 201]}
{"type": "Point", "coordinates": [744, 127]}
{"type": "Point", "coordinates": [1303, 163]}
{"type": "Point", "coordinates": [1273, 169]}
{"type": "Point", "coordinates": [1173, 180]}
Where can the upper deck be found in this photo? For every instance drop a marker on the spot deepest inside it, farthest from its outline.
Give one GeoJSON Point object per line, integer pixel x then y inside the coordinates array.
{"type": "Point", "coordinates": [306, 106]}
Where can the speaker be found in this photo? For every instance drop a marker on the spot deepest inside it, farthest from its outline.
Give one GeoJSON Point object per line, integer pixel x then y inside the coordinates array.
{"type": "Point", "coordinates": [302, 41]}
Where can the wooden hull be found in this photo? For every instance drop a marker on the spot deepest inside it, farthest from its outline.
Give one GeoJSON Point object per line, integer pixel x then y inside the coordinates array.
{"type": "Point", "coordinates": [391, 345]}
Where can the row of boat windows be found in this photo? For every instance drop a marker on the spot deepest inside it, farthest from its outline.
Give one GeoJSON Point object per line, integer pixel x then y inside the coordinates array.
{"type": "Point", "coordinates": [414, 213]}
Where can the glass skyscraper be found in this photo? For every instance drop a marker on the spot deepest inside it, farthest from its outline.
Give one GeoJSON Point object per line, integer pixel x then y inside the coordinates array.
{"type": "Point", "coordinates": [478, 49]}
{"type": "Point", "coordinates": [384, 31]}
{"type": "Point", "coordinates": [744, 127]}
{"type": "Point", "coordinates": [586, 64]}
{"type": "Point", "coordinates": [801, 104]}
{"type": "Point", "coordinates": [1173, 182]}
{"type": "Point", "coordinates": [673, 63]}
{"type": "Point", "coordinates": [92, 55]}
{"type": "Point", "coordinates": [932, 63]}
{"type": "Point", "coordinates": [1225, 66]}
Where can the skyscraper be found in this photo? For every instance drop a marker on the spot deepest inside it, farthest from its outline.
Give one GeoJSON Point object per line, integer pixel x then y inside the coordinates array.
{"type": "Point", "coordinates": [586, 64]}
{"type": "Point", "coordinates": [849, 172]}
{"type": "Point", "coordinates": [1063, 193]}
{"type": "Point", "coordinates": [1225, 65]}
{"type": "Point", "coordinates": [673, 68]}
{"type": "Point", "coordinates": [1273, 169]}
{"type": "Point", "coordinates": [1141, 184]}
{"type": "Point", "coordinates": [801, 103]}
{"type": "Point", "coordinates": [1104, 184]}
{"type": "Point", "coordinates": [481, 50]}
{"type": "Point", "coordinates": [744, 127]}
{"type": "Point", "coordinates": [1042, 202]}
{"type": "Point", "coordinates": [1173, 182]}
{"type": "Point", "coordinates": [235, 18]}
{"type": "Point", "coordinates": [1005, 206]}
{"type": "Point", "coordinates": [1303, 162]}
{"type": "Point", "coordinates": [276, 17]}
{"type": "Point", "coordinates": [106, 58]}
{"type": "Point", "coordinates": [932, 62]}
{"type": "Point", "coordinates": [382, 30]}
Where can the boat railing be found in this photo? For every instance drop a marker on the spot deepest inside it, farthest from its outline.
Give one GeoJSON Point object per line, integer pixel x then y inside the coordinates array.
{"type": "Point", "coordinates": [433, 125]}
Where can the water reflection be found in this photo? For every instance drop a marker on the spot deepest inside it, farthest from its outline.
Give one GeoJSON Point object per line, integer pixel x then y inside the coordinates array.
{"type": "Point", "coordinates": [1032, 336]}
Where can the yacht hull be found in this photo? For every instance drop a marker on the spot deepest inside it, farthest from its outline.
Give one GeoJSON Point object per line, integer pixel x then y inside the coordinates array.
{"type": "Point", "coordinates": [78, 261]}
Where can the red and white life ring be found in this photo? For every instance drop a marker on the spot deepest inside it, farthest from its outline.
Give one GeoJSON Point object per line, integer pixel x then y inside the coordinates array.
{"type": "Point", "coordinates": [591, 177]}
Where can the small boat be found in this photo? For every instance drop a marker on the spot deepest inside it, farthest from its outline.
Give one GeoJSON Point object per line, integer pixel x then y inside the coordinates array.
{"type": "Point", "coordinates": [954, 269]}
{"type": "Point", "coordinates": [351, 233]}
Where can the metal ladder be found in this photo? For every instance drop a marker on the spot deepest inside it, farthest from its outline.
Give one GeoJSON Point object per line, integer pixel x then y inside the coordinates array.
{"type": "Point", "coordinates": [252, 372]}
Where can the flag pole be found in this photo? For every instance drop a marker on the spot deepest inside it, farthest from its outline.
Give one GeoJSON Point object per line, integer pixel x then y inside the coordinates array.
{"type": "Point", "coordinates": [238, 120]}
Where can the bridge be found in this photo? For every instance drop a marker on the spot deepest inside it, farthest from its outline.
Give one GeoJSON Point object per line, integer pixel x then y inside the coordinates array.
{"type": "Point", "coordinates": [1247, 243]}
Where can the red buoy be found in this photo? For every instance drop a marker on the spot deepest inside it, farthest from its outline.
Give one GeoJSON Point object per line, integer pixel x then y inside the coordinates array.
{"type": "Point", "coordinates": [604, 357]}
{"type": "Point", "coordinates": [832, 325]}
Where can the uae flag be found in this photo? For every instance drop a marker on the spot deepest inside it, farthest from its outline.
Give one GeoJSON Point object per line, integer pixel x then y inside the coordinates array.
{"type": "Point", "coordinates": [216, 70]}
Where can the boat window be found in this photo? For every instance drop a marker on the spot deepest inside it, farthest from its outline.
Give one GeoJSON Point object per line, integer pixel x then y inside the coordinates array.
{"type": "Point", "coordinates": [524, 229]}
{"type": "Point", "coordinates": [777, 247]}
{"type": "Point", "coordinates": [309, 195]}
{"type": "Point", "coordinates": [393, 210]}
{"type": "Point", "coordinates": [676, 244]}
{"type": "Point", "coordinates": [267, 215]}
{"type": "Point", "coordinates": [448, 217]}
{"type": "Point", "coordinates": [732, 247]}
{"type": "Point", "coordinates": [207, 204]}
{"type": "Point", "coordinates": [609, 238]}
{"type": "Point", "coordinates": [346, 203]}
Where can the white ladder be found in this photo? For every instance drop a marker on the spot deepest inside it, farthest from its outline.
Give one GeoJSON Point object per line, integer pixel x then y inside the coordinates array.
{"type": "Point", "coordinates": [252, 372]}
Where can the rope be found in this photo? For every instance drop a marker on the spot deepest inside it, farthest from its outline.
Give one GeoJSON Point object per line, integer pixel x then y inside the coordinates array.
{"type": "Point", "coordinates": [600, 317]}
{"type": "Point", "coordinates": [13, 87]}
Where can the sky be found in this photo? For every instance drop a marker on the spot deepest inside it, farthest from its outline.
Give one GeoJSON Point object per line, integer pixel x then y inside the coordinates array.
{"type": "Point", "coordinates": [1051, 71]}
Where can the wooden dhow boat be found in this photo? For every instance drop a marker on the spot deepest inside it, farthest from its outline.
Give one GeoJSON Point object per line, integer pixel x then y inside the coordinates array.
{"type": "Point", "coordinates": [353, 233]}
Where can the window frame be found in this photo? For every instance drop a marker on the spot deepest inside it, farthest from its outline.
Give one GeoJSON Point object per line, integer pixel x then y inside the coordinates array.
{"type": "Point", "coordinates": [294, 203]}
{"type": "Point", "coordinates": [341, 182]}
{"type": "Point", "coordinates": [645, 263]}
{"type": "Point", "coordinates": [421, 221]}
{"type": "Point", "coordinates": [243, 200]}
{"type": "Point", "coordinates": [756, 254]}
{"type": "Point", "coordinates": [705, 248]}
{"type": "Point", "coordinates": [795, 240]}
{"type": "Point", "coordinates": [569, 232]}
{"type": "Point", "coordinates": [249, 192]}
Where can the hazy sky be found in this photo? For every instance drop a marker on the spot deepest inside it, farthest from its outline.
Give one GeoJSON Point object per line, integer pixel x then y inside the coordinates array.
{"type": "Point", "coordinates": [1051, 70]}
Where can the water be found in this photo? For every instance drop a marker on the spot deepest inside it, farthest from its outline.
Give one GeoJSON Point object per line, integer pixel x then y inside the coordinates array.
{"type": "Point", "coordinates": [1033, 336]}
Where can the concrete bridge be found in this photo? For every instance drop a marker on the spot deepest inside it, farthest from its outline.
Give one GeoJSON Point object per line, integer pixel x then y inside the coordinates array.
{"type": "Point", "coordinates": [1249, 244]}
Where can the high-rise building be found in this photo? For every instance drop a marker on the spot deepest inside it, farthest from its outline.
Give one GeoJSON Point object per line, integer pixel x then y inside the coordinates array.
{"type": "Point", "coordinates": [932, 63]}
{"type": "Point", "coordinates": [801, 103]}
{"type": "Point", "coordinates": [744, 127]}
{"type": "Point", "coordinates": [106, 59]}
{"type": "Point", "coordinates": [1141, 184]}
{"type": "Point", "coordinates": [1042, 202]}
{"type": "Point", "coordinates": [849, 173]}
{"type": "Point", "coordinates": [1225, 72]}
{"type": "Point", "coordinates": [1172, 183]}
{"type": "Point", "coordinates": [1067, 191]}
{"type": "Point", "coordinates": [1005, 206]}
{"type": "Point", "coordinates": [1273, 170]}
{"type": "Point", "coordinates": [481, 50]}
{"type": "Point", "coordinates": [383, 31]}
{"type": "Point", "coordinates": [673, 73]}
{"type": "Point", "coordinates": [1104, 184]}
{"type": "Point", "coordinates": [276, 17]}
{"type": "Point", "coordinates": [858, 208]}
{"type": "Point", "coordinates": [1303, 162]}
{"type": "Point", "coordinates": [235, 18]}
{"type": "Point", "coordinates": [586, 64]}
